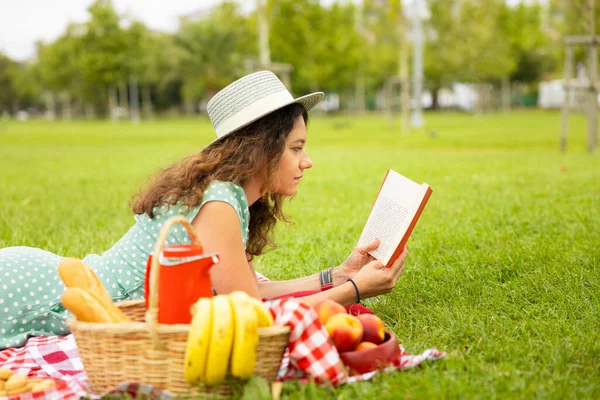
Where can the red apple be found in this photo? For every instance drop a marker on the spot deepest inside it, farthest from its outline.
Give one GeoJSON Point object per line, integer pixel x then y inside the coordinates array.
{"type": "Point", "coordinates": [345, 331]}
{"type": "Point", "coordinates": [374, 330]}
{"type": "Point", "coordinates": [325, 309]}
{"type": "Point", "coordinates": [365, 346]}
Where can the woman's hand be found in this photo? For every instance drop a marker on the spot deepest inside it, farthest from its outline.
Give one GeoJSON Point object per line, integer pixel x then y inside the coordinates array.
{"type": "Point", "coordinates": [356, 260]}
{"type": "Point", "coordinates": [375, 279]}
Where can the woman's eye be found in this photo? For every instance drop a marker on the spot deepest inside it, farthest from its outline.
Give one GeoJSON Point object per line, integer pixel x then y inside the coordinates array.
{"type": "Point", "coordinates": [297, 149]}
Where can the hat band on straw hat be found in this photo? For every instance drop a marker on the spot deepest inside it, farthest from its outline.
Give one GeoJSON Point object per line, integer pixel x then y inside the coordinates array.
{"type": "Point", "coordinates": [263, 106]}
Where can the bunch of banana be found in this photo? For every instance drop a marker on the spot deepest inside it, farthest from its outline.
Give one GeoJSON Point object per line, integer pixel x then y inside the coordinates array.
{"type": "Point", "coordinates": [223, 337]}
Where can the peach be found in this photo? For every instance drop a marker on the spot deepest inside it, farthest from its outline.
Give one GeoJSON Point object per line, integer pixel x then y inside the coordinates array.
{"type": "Point", "coordinates": [345, 331]}
{"type": "Point", "coordinates": [365, 346]}
{"type": "Point", "coordinates": [325, 309]}
{"type": "Point", "coordinates": [374, 330]}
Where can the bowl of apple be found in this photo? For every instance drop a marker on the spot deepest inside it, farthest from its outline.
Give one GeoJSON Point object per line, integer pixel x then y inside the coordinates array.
{"type": "Point", "coordinates": [362, 341]}
{"type": "Point", "coordinates": [369, 356]}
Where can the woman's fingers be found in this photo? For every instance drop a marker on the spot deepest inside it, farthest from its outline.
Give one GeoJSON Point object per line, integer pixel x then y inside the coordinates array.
{"type": "Point", "coordinates": [365, 248]}
{"type": "Point", "coordinates": [398, 272]}
{"type": "Point", "coordinates": [398, 265]}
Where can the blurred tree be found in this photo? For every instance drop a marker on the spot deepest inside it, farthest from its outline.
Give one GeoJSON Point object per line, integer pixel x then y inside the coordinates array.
{"type": "Point", "coordinates": [531, 47]}
{"type": "Point", "coordinates": [569, 18]}
{"type": "Point", "coordinates": [443, 60]}
{"type": "Point", "coordinates": [466, 42]}
{"type": "Point", "coordinates": [8, 94]}
{"type": "Point", "coordinates": [380, 40]}
{"type": "Point", "coordinates": [213, 46]}
{"type": "Point", "coordinates": [59, 69]}
{"type": "Point", "coordinates": [155, 61]}
{"type": "Point", "coordinates": [25, 84]}
{"type": "Point", "coordinates": [104, 61]}
{"type": "Point", "coordinates": [318, 41]}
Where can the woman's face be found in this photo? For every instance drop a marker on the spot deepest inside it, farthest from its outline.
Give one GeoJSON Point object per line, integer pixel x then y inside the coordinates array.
{"type": "Point", "coordinates": [294, 160]}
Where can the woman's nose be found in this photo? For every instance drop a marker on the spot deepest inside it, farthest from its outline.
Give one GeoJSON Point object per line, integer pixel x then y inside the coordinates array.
{"type": "Point", "coordinates": [306, 163]}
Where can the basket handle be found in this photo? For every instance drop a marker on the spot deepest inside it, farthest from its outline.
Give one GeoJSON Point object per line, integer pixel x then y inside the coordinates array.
{"type": "Point", "coordinates": [152, 313]}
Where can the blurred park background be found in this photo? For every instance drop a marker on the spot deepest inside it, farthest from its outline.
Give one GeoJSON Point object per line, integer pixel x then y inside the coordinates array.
{"type": "Point", "coordinates": [387, 56]}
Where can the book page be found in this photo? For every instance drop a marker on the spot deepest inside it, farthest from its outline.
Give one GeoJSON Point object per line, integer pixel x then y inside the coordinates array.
{"type": "Point", "coordinates": [391, 215]}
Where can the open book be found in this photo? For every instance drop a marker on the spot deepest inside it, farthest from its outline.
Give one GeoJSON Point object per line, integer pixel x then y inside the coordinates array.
{"type": "Point", "coordinates": [395, 212]}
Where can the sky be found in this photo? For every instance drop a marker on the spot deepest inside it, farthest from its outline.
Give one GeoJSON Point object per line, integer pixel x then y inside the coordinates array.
{"type": "Point", "coordinates": [23, 22]}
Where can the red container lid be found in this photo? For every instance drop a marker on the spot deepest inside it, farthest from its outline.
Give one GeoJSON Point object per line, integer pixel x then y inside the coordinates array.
{"type": "Point", "coordinates": [183, 250]}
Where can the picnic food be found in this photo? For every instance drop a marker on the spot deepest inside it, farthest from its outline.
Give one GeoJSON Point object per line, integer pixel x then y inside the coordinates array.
{"type": "Point", "coordinates": [221, 340]}
{"type": "Point", "coordinates": [243, 354]}
{"type": "Point", "coordinates": [325, 309]}
{"type": "Point", "coordinates": [345, 331]}
{"type": "Point", "coordinates": [223, 337]}
{"type": "Point", "coordinates": [13, 384]}
{"type": "Point", "coordinates": [365, 346]}
{"type": "Point", "coordinates": [85, 296]}
{"type": "Point", "coordinates": [373, 328]}
{"type": "Point", "coordinates": [85, 307]}
{"type": "Point", "coordinates": [369, 359]}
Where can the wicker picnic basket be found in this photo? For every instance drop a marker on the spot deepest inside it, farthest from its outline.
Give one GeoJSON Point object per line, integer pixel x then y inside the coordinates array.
{"type": "Point", "coordinates": [147, 352]}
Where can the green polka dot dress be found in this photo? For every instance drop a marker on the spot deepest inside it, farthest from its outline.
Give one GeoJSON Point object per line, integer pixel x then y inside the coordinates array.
{"type": "Point", "coordinates": [30, 287]}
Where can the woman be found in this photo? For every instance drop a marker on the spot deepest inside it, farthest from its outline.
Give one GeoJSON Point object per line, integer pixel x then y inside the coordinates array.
{"type": "Point", "coordinates": [232, 192]}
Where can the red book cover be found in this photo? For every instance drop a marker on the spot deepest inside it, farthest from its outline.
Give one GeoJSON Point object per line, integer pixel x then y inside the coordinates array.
{"type": "Point", "coordinates": [398, 250]}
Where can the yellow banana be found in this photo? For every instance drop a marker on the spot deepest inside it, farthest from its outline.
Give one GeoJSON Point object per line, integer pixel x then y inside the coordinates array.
{"type": "Point", "coordinates": [265, 318]}
{"type": "Point", "coordinates": [243, 356]}
{"type": "Point", "coordinates": [221, 341]}
{"type": "Point", "coordinates": [198, 342]}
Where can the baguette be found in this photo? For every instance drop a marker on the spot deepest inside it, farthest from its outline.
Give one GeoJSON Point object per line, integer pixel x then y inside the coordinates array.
{"type": "Point", "coordinates": [17, 381]}
{"type": "Point", "coordinates": [85, 307]}
{"type": "Point", "coordinates": [42, 386]}
{"type": "Point", "coordinates": [5, 373]}
{"type": "Point", "coordinates": [77, 274]}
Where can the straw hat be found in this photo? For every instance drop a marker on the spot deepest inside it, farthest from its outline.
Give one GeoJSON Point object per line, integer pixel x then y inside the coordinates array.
{"type": "Point", "coordinates": [250, 98]}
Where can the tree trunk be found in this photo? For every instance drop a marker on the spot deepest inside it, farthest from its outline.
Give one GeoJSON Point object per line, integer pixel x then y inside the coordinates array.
{"type": "Point", "coordinates": [112, 102]}
{"type": "Point", "coordinates": [146, 101]}
{"type": "Point", "coordinates": [480, 100]}
{"type": "Point", "coordinates": [388, 94]}
{"type": "Point", "coordinates": [360, 93]}
{"type": "Point", "coordinates": [50, 106]}
{"type": "Point", "coordinates": [123, 101]}
{"type": "Point", "coordinates": [90, 113]}
{"type": "Point", "coordinates": [67, 112]}
{"type": "Point", "coordinates": [505, 94]}
{"type": "Point", "coordinates": [135, 101]}
{"type": "Point", "coordinates": [435, 104]}
{"type": "Point", "coordinates": [15, 106]}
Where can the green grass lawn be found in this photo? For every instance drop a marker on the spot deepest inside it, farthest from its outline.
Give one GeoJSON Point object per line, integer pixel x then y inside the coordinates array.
{"type": "Point", "coordinates": [503, 271]}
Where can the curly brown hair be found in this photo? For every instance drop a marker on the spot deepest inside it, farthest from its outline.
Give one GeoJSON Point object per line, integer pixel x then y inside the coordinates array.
{"type": "Point", "coordinates": [236, 158]}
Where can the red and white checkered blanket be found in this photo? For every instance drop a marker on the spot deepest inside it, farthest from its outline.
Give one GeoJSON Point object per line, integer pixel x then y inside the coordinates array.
{"type": "Point", "coordinates": [310, 356]}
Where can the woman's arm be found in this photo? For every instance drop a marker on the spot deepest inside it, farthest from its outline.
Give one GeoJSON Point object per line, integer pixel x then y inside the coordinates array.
{"type": "Point", "coordinates": [272, 289]}
{"type": "Point", "coordinates": [218, 228]}
{"type": "Point", "coordinates": [372, 280]}
{"type": "Point", "coordinates": [353, 264]}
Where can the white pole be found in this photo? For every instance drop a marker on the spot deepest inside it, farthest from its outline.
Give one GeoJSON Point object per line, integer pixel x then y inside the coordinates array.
{"type": "Point", "coordinates": [592, 139]}
{"type": "Point", "coordinates": [263, 35]}
{"type": "Point", "coordinates": [359, 84]}
{"type": "Point", "coordinates": [417, 116]}
{"type": "Point", "coordinates": [404, 80]}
